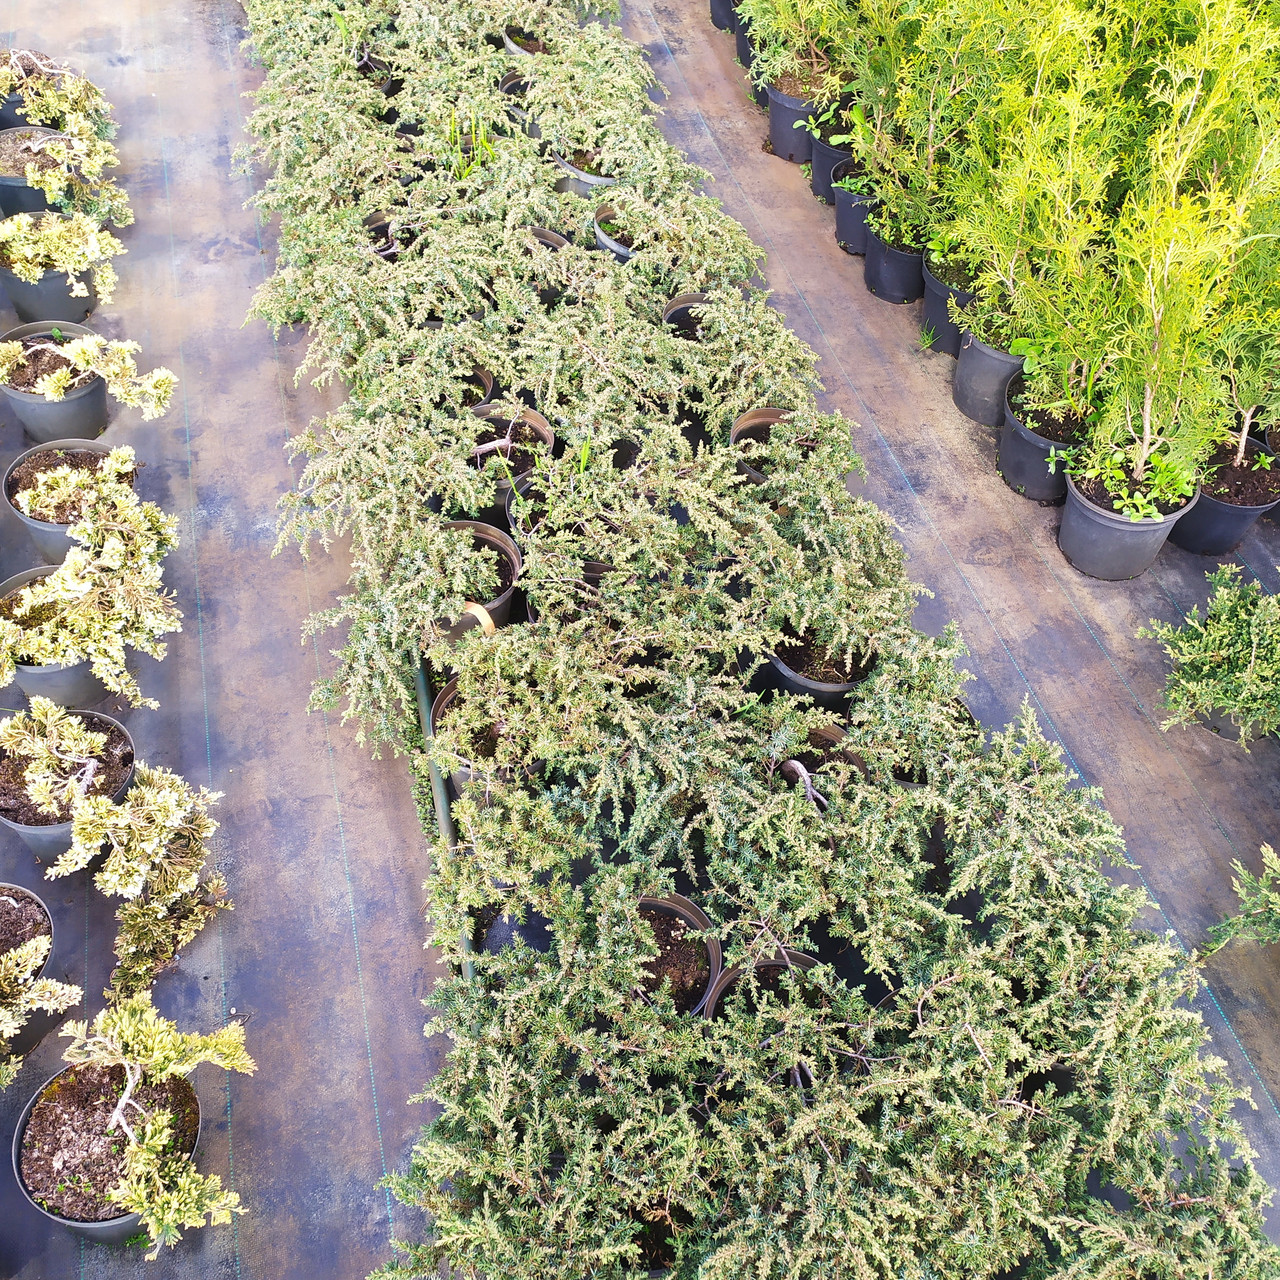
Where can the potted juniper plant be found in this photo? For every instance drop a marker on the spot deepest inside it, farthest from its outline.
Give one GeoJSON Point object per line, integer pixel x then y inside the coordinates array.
{"type": "Point", "coordinates": [65, 631]}
{"type": "Point", "coordinates": [56, 378]}
{"type": "Point", "coordinates": [74, 124]}
{"type": "Point", "coordinates": [56, 267]}
{"type": "Point", "coordinates": [1225, 669]}
{"type": "Point", "coordinates": [51, 486]}
{"type": "Point", "coordinates": [30, 996]}
{"type": "Point", "coordinates": [52, 760]}
{"type": "Point", "coordinates": [126, 1098]}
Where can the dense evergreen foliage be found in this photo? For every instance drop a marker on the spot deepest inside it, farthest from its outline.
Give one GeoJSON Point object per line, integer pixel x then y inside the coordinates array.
{"type": "Point", "coordinates": [989, 1067]}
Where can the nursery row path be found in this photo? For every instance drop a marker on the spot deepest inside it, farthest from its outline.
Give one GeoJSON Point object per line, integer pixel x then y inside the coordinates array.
{"type": "Point", "coordinates": [1189, 802]}
{"type": "Point", "coordinates": [323, 954]}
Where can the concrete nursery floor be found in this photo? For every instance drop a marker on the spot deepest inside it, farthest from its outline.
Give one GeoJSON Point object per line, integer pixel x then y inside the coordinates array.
{"type": "Point", "coordinates": [321, 846]}
{"type": "Point", "coordinates": [1190, 803]}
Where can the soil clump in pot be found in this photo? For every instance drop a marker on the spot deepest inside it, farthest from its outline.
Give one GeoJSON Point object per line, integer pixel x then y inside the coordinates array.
{"type": "Point", "coordinates": [68, 1160]}
{"type": "Point", "coordinates": [21, 919]}
{"type": "Point", "coordinates": [805, 656]}
{"type": "Point", "coordinates": [114, 763]}
{"type": "Point", "coordinates": [37, 361]}
{"type": "Point", "coordinates": [682, 957]}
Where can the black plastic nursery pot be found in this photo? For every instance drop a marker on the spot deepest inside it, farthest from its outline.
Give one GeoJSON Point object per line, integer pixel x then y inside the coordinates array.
{"type": "Point", "coordinates": [579, 181]}
{"type": "Point", "coordinates": [724, 15]}
{"type": "Point", "coordinates": [746, 56]}
{"type": "Point", "coordinates": [755, 424]}
{"type": "Point", "coordinates": [514, 48]}
{"type": "Point", "coordinates": [893, 275]}
{"type": "Point", "coordinates": [604, 241]}
{"type": "Point", "coordinates": [834, 697]}
{"type": "Point", "coordinates": [40, 1022]}
{"type": "Point", "coordinates": [49, 299]}
{"type": "Point", "coordinates": [981, 383]}
{"type": "Point", "coordinates": [50, 840]}
{"type": "Point", "coordinates": [69, 686]}
{"type": "Point", "coordinates": [1022, 458]}
{"type": "Point", "coordinates": [50, 539]}
{"type": "Point", "coordinates": [502, 418]}
{"type": "Point", "coordinates": [11, 111]}
{"type": "Point", "coordinates": [801, 1075]}
{"type": "Point", "coordinates": [937, 316]}
{"type": "Point", "coordinates": [553, 242]}
{"type": "Point", "coordinates": [825, 159]}
{"type": "Point", "coordinates": [17, 195]}
{"type": "Point", "coordinates": [1107, 545]}
{"type": "Point", "coordinates": [851, 212]}
{"type": "Point", "coordinates": [785, 113]}
{"type": "Point", "coordinates": [110, 1230]}
{"type": "Point", "coordinates": [497, 610]}
{"type": "Point", "coordinates": [681, 315]}
{"type": "Point", "coordinates": [1214, 527]}
{"type": "Point", "coordinates": [514, 85]}
{"type": "Point", "coordinates": [695, 920]}
{"type": "Point", "coordinates": [788, 959]}
{"type": "Point", "coordinates": [81, 414]}
{"type": "Point", "coordinates": [465, 770]}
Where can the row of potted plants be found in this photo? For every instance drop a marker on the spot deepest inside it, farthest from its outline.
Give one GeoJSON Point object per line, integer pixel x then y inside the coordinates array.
{"type": "Point", "coordinates": [1090, 229]}
{"type": "Point", "coordinates": [105, 1147]}
{"type": "Point", "coordinates": [620, 571]}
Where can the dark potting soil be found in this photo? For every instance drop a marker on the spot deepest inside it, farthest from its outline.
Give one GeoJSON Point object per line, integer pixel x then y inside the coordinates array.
{"type": "Point", "coordinates": [896, 239]}
{"type": "Point", "coordinates": [1064, 429]}
{"type": "Point", "coordinates": [32, 64]}
{"type": "Point", "coordinates": [16, 153]}
{"type": "Point", "coordinates": [805, 656]}
{"type": "Point", "coordinates": [1241, 486]}
{"type": "Point", "coordinates": [681, 957]}
{"type": "Point", "coordinates": [23, 477]}
{"type": "Point", "coordinates": [798, 87]}
{"type": "Point", "coordinates": [586, 161]}
{"type": "Point", "coordinates": [68, 1159]}
{"type": "Point", "coordinates": [526, 40]}
{"type": "Point", "coordinates": [615, 232]}
{"type": "Point", "coordinates": [506, 570]}
{"type": "Point", "coordinates": [521, 433]}
{"type": "Point", "coordinates": [114, 763]}
{"type": "Point", "coordinates": [21, 919]}
{"type": "Point", "coordinates": [36, 363]}
{"type": "Point", "coordinates": [954, 274]}
{"type": "Point", "coordinates": [1097, 492]}
{"type": "Point", "coordinates": [29, 621]}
